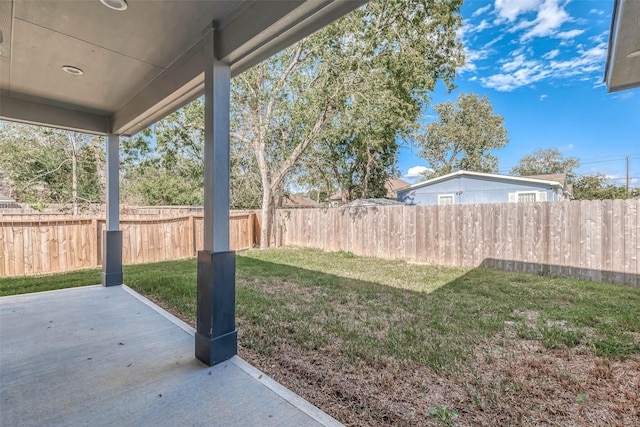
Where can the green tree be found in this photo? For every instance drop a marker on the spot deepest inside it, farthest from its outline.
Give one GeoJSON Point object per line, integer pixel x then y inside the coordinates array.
{"type": "Point", "coordinates": [172, 172]}
{"type": "Point", "coordinates": [350, 89]}
{"type": "Point", "coordinates": [599, 187]}
{"type": "Point", "coordinates": [44, 165]}
{"type": "Point", "coordinates": [463, 137]}
{"type": "Point", "coordinates": [546, 161]}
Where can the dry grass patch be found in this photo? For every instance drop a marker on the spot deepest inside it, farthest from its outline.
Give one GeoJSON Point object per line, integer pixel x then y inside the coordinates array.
{"type": "Point", "coordinates": [377, 343]}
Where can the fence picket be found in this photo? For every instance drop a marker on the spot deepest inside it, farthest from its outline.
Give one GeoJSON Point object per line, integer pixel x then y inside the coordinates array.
{"type": "Point", "coordinates": [593, 240]}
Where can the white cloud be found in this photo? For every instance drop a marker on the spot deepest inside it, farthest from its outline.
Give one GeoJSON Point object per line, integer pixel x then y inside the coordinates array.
{"type": "Point", "coordinates": [471, 57]}
{"type": "Point", "coordinates": [522, 77]}
{"type": "Point", "coordinates": [510, 9]}
{"type": "Point", "coordinates": [551, 54]}
{"type": "Point", "coordinates": [522, 70]}
{"type": "Point", "coordinates": [519, 61]}
{"type": "Point", "coordinates": [550, 18]}
{"type": "Point", "coordinates": [590, 60]}
{"type": "Point", "coordinates": [473, 79]}
{"type": "Point", "coordinates": [596, 12]}
{"type": "Point", "coordinates": [565, 148]}
{"type": "Point", "coordinates": [481, 10]}
{"type": "Point", "coordinates": [417, 172]}
{"type": "Point", "coordinates": [543, 97]}
{"type": "Point", "coordinates": [483, 25]}
{"type": "Point", "coordinates": [569, 34]}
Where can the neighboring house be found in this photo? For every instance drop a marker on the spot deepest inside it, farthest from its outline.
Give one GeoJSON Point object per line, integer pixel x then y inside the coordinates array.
{"type": "Point", "coordinates": [392, 186]}
{"type": "Point", "coordinates": [7, 202]}
{"type": "Point", "coordinates": [299, 202]}
{"type": "Point", "coordinates": [464, 187]}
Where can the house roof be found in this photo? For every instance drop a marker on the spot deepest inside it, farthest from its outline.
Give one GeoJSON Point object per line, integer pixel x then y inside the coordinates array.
{"type": "Point", "coordinates": [538, 179]}
{"type": "Point", "coordinates": [138, 64]}
{"type": "Point", "coordinates": [299, 202]}
{"type": "Point", "coordinates": [371, 202]}
{"type": "Point", "coordinates": [6, 199]}
{"type": "Point", "coordinates": [622, 70]}
{"type": "Point", "coordinates": [392, 185]}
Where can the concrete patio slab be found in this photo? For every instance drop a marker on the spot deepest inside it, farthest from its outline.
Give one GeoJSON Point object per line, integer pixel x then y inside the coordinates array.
{"type": "Point", "coordinates": [107, 356]}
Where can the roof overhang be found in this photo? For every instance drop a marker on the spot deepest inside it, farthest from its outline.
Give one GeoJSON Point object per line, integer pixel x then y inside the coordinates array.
{"type": "Point", "coordinates": [139, 64]}
{"type": "Point", "coordinates": [554, 184]}
{"type": "Point", "coordinates": [623, 57]}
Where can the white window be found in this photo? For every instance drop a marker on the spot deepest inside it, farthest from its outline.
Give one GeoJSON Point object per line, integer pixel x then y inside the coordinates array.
{"type": "Point", "coordinates": [527, 196]}
{"type": "Point", "coordinates": [445, 199]}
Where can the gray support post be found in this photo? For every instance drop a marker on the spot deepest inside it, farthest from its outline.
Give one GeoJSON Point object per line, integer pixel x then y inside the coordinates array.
{"type": "Point", "coordinates": [112, 236]}
{"type": "Point", "coordinates": [216, 336]}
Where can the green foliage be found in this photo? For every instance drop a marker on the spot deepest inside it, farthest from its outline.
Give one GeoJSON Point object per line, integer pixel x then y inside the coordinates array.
{"type": "Point", "coordinates": [172, 172]}
{"type": "Point", "coordinates": [585, 187]}
{"type": "Point", "coordinates": [386, 63]}
{"type": "Point", "coordinates": [598, 187]}
{"type": "Point", "coordinates": [560, 337]}
{"type": "Point", "coordinates": [444, 415]}
{"type": "Point", "coordinates": [348, 92]}
{"type": "Point", "coordinates": [463, 137]}
{"type": "Point", "coordinates": [546, 161]}
{"type": "Point", "coordinates": [37, 163]}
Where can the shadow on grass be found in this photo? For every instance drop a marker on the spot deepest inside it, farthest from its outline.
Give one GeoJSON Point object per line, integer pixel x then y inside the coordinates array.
{"type": "Point", "coordinates": [281, 303]}
{"type": "Point", "coordinates": [285, 304]}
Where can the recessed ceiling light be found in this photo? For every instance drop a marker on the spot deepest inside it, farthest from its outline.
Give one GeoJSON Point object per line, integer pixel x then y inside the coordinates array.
{"type": "Point", "coordinates": [74, 71]}
{"type": "Point", "coordinates": [115, 4]}
{"type": "Point", "coordinates": [634, 54]}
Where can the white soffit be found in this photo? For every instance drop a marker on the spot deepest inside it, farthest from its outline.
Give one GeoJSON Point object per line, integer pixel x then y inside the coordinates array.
{"type": "Point", "coordinates": [623, 66]}
{"type": "Point", "coordinates": [140, 64]}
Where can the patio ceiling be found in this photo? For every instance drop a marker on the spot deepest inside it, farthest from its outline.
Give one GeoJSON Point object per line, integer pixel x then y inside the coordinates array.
{"type": "Point", "coordinates": [138, 64]}
{"type": "Point", "coordinates": [623, 60]}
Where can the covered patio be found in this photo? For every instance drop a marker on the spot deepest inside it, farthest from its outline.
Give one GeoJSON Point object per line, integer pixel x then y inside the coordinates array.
{"type": "Point", "coordinates": [104, 355]}
{"type": "Point", "coordinates": [108, 356]}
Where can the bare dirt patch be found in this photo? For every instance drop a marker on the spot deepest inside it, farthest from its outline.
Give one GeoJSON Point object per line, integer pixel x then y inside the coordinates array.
{"type": "Point", "coordinates": [512, 382]}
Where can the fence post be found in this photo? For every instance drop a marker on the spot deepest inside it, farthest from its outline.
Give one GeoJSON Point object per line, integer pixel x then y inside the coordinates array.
{"type": "Point", "coordinates": [276, 221]}
{"type": "Point", "coordinates": [250, 229]}
{"type": "Point", "coordinates": [192, 234]}
{"type": "Point", "coordinates": [94, 242]}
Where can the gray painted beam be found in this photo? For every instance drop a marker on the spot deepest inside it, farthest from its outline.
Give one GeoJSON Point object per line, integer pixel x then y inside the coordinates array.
{"type": "Point", "coordinates": [216, 150]}
{"type": "Point", "coordinates": [242, 42]}
{"type": "Point", "coordinates": [306, 19]}
{"type": "Point", "coordinates": [112, 236]}
{"type": "Point", "coordinates": [216, 339]}
{"type": "Point", "coordinates": [177, 85]}
{"type": "Point", "coordinates": [39, 113]}
{"type": "Point", "coordinates": [113, 182]}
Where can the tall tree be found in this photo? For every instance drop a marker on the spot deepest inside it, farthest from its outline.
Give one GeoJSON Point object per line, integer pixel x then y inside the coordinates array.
{"type": "Point", "coordinates": [463, 137]}
{"type": "Point", "coordinates": [164, 164]}
{"type": "Point", "coordinates": [361, 82]}
{"type": "Point", "coordinates": [45, 165]}
{"type": "Point", "coordinates": [546, 161]}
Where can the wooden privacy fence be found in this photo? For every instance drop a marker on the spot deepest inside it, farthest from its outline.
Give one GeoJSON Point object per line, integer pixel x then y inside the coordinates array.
{"type": "Point", "coordinates": [33, 244]}
{"type": "Point", "coordinates": [592, 240]}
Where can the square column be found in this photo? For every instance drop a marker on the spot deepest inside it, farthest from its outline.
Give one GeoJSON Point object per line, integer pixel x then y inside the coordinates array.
{"type": "Point", "coordinates": [216, 336]}
{"type": "Point", "coordinates": [112, 236]}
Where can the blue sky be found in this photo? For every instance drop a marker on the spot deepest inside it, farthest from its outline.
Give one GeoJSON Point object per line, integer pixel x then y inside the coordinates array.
{"type": "Point", "coordinates": [541, 63]}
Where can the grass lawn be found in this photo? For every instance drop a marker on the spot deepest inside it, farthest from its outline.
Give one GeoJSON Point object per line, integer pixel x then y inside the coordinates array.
{"type": "Point", "coordinates": [376, 342]}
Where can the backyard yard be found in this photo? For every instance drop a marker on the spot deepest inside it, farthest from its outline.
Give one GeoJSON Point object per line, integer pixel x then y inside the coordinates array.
{"type": "Point", "coordinates": [379, 342]}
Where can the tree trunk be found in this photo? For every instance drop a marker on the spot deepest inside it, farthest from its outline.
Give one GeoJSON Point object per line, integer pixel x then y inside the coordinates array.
{"type": "Point", "coordinates": [367, 175]}
{"type": "Point", "coordinates": [267, 201]}
{"type": "Point", "coordinates": [74, 173]}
